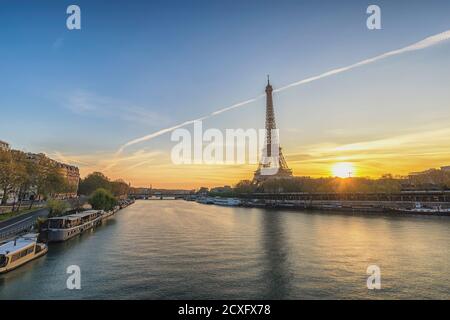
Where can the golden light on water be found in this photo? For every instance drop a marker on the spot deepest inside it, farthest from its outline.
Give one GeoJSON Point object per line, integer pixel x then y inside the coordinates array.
{"type": "Point", "coordinates": [343, 170]}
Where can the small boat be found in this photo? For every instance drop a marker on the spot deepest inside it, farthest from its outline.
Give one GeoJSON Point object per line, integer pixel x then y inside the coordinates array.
{"type": "Point", "coordinates": [205, 200]}
{"type": "Point", "coordinates": [254, 203]}
{"type": "Point", "coordinates": [107, 214]}
{"type": "Point", "coordinates": [232, 202]}
{"type": "Point", "coordinates": [19, 251]}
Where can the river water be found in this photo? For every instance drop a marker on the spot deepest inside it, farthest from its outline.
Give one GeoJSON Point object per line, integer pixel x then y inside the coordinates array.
{"type": "Point", "coordinates": [185, 250]}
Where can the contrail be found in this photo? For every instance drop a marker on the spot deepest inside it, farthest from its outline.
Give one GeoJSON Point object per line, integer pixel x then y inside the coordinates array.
{"type": "Point", "coordinates": [162, 131]}
{"type": "Point", "coordinates": [425, 43]}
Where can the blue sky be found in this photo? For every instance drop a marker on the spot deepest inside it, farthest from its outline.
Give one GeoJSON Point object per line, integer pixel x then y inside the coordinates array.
{"type": "Point", "coordinates": [139, 66]}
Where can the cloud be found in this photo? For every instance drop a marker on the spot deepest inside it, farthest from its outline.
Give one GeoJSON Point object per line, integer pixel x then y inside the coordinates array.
{"type": "Point", "coordinates": [406, 148]}
{"type": "Point", "coordinates": [83, 102]}
{"type": "Point", "coordinates": [112, 166]}
{"type": "Point", "coordinates": [425, 43]}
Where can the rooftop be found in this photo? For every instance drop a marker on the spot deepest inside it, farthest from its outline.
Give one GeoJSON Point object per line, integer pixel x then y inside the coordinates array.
{"type": "Point", "coordinates": [76, 215]}
{"type": "Point", "coordinates": [20, 243]}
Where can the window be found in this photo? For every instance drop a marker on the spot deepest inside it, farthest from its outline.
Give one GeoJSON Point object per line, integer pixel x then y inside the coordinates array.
{"type": "Point", "coordinates": [3, 261]}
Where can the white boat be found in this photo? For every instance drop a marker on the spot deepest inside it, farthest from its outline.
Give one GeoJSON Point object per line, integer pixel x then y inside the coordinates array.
{"type": "Point", "coordinates": [205, 200]}
{"type": "Point", "coordinates": [420, 209]}
{"type": "Point", "coordinates": [66, 227]}
{"type": "Point", "coordinates": [107, 214]}
{"type": "Point", "coordinates": [227, 201]}
{"type": "Point", "coordinates": [19, 251]}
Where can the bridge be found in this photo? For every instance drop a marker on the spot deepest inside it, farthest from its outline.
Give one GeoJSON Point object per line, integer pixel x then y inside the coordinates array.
{"type": "Point", "coordinates": [159, 194]}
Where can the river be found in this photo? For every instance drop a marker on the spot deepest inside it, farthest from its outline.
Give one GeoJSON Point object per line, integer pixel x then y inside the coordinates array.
{"type": "Point", "coordinates": [167, 249]}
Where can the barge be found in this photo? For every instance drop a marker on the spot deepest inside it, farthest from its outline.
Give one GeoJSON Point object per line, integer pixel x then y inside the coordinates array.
{"type": "Point", "coordinates": [19, 251]}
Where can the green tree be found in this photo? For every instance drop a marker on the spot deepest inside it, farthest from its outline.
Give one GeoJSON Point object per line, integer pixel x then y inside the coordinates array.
{"type": "Point", "coordinates": [7, 174]}
{"type": "Point", "coordinates": [48, 180]}
{"type": "Point", "coordinates": [24, 172]}
{"type": "Point", "coordinates": [203, 190]}
{"type": "Point", "coordinates": [102, 199]}
{"type": "Point", "coordinates": [92, 182]}
{"type": "Point", "coordinates": [245, 186]}
{"type": "Point", "coordinates": [56, 207]}
{"type": "Point", "coordinates": [120, 188]}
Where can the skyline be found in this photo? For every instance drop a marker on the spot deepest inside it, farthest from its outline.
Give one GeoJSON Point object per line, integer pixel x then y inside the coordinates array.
{"type": "Point", "coordinates": [387, 117]}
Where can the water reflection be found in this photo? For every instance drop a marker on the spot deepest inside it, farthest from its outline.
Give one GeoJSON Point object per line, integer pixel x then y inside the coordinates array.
{"type": "Point", "coordinates": [276, 256]}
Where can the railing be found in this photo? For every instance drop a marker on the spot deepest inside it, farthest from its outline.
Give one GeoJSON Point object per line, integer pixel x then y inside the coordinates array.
{"type": "Point", "coordinates": [20, 226]}
{"type": "Point", "coordinates": [12, 231]}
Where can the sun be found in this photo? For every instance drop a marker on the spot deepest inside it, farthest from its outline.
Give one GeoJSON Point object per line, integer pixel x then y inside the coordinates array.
{"type": "Point", "coordinates": [343, 169]}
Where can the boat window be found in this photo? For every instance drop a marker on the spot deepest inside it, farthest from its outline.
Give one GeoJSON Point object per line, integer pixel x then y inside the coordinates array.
{"type": "Point", "coordinates": [22, 254]}
{"type": "Point", "coordinates": [3, 260]}
{"type": "Point", "coordinates": [56, 224]}
{"type": "Point", "coordinates": [15, 257]}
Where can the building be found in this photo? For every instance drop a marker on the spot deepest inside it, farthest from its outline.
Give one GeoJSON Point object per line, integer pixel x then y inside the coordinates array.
{"type": "Point", "coordinates": [4, 145]}
{"type": "Point", "coordinates": [69, 172]}
{"type": "Point", "coordinates": [271, 166]}
{"type": "Point", "coordinates": [445, 168]}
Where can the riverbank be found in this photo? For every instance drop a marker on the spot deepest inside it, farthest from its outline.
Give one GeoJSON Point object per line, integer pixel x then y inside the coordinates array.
{"type": "Point", "coordinates": [404, 207]}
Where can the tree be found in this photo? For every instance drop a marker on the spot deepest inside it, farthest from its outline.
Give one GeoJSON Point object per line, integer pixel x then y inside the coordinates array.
{"type": "Point", "coordinates": [7, 176]}
{"type": "Point", "coordinates": [120, 188]}
{"type": "Point", "coordinates": [56, 207]}
{"type": "Point", "coordinates": [203, 190]}
{"type": "Point", "coordinates": [24, 172]}
{"type": "Point", "coordinates": [102, 199]}
{"type": "Point", "coordinates": [47, 179]}
{"type": "Point", "coordinates": [245, 186]}
{"type": "Point", "coordinates": [54, 182]}
{"type": "Point", "coordinates": [92, 182]}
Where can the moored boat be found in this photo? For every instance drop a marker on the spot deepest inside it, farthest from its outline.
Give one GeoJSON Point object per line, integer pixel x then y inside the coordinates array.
{"type": "Point", "coordinates": [205, 200]}
{"type": "Point", "coordinates": [65, 227]}
{"type": "Point", "coordinates": [227, 201]}
{"type": "Point", "coordinates": [419, 209]}
{"type": "Point", "coordinates": [19, 251]}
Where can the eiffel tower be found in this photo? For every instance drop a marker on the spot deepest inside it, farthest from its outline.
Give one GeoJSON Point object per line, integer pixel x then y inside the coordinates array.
{"type": "Point", "coordinates": [271, 166]}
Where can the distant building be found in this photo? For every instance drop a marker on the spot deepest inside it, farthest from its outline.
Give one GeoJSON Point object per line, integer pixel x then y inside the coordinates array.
{"type": "Point", "coordinates": [71, 173]}
{"type": "Point", "coordinates": [446, 168]}
{"type": "Point", "coordinates": [4, 145]}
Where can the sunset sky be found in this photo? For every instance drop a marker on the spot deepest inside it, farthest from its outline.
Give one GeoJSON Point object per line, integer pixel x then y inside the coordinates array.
{"type": "Point", "coordinates": [139, 67]}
